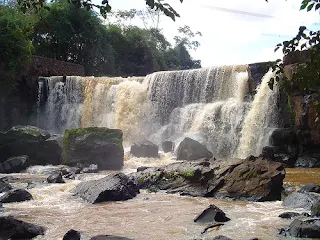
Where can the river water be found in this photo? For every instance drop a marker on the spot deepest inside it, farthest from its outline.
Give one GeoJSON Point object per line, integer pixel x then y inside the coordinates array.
{"type": "Point", "coordinates": [155, 216]}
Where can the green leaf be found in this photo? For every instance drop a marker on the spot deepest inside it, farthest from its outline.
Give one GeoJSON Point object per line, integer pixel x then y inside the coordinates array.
{"type": "Point", "coordinates": [317, 6]}
{"type": "Point", "coordinates": [310, 7]}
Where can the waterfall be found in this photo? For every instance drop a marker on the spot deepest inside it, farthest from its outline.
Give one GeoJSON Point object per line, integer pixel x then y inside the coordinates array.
{"type": "Point", "coordinates": [211, 105]}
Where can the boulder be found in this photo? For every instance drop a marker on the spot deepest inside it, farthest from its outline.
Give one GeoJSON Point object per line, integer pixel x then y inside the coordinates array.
{"type": "Point", "coordinates": [301, 200]}
{"type": "Point", "coordinates": [283, 137]}
{"type": "Point", "coordinates": [190, 149]}
{"type": "Point", "coordinates": [16, 195]}
{"type": "Point", "coordinates": [49, 151]}
{"type": "Point", "coordinates": [55, 178]}
{"type": "Point", "coordinates": [257, 179]}
{"type": "Point", "coordinates": [101, 146]}
{"type": "Point", "coordinates": [308, 160]}
{"type": "Point", "coordinates": [72, 235]}
{"type": "Point", "coordinates": [4, 187]}
{"type": "Point", "coordinates": [145, 149]}
{"type": "Point", "coordinates": [14, 164]}
{"type": "Point", "coordinates": [109, 237]}
{"type": "Point", "coordinates": [114, 187]}
{"type": "Point", "coordinates": [212, 214]}
{"type": "Point", "coordinates": [11, 228]}
{"type": "Point", "coordinates": [310, 187]}
{"type": "Point", "coordinates": [315, 209]}
{"type": "Point", "coordinates": [309, 228]}
{"type": "Point", "coordinates": [290, 215]}
{"type": "Point", "coordinates": [167, 146]}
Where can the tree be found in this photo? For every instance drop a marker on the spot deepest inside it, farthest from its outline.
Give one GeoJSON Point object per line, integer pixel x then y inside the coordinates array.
{"type": "Point", "coordinates": [15, 47]}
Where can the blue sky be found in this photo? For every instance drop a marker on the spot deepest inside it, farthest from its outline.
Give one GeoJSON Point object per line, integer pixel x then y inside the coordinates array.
{"type": "Point", "coordinates": [234, 32]}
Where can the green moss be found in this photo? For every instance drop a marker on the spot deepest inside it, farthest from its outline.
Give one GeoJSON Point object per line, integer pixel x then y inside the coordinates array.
{"type": "Point", "coordinates": [188, 173]}
{"type": "Point", "coordinates": [27, 130]}
{"type": "Point", "coordinates": [111, 135]}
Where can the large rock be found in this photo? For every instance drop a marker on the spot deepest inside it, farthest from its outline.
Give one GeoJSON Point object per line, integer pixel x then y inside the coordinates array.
{"type": "Point", "coordinates": [308, 160]}
{"type": "Point", "coordinates": [31, 141]}
{"type": "Point", "coordinates": [4, 187]}
{"type": "Point", "coordinates": [55, 178]}
{"type": "Point", "coordinates": [11, 228]}
{"type": "Point", "coordinates": [212, 214]}
{"type": "Point", "coordinates": [14, 164]}
{"type": "Point", "coordinates": [72, 235]}
{"type": "Point", "coordinates": [310, 187]}
{"type": "Point", "coordinates": [283, 137]}
{"type": "Point", "coordinates": [16, 195]}
{"type": "Point", "coordinates": [254, 179]}
{"type": "Point", "coordinates": [190, 149]}
{"type": "Point", "coordinates": [309, 228]}
{"type": "Point", "coordinates": [301, 200]}
{"type": "Point", "coordinates": [101, 146]}
{"type": "Point", "coordinates": [114, 187]}
{"type": "Point", "coordinates": [145, 149]}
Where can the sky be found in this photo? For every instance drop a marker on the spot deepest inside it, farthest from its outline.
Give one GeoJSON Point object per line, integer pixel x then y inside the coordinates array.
{"type": "Point", "coordinates": [234, 32]}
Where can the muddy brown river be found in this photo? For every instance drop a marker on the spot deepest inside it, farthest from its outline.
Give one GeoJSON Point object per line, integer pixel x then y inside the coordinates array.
{"type": "Point", "coordinates": [149, 216]}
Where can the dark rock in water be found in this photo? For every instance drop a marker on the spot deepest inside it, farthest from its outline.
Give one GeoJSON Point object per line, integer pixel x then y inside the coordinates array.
{"type": "Point", "coordinates": [109, 237]}
{"type": "Point", "coordinates": [101, 146]}
{"type": "Point", "coordinates": [167, 146]}
{"type": "Point", "coordinates": [220, 237]}
{"type": "Point", "coordinates": [49, 152]}
{"type": "Point", "coordinates": [140, 169]}
{"type": "Point", "coordinates": [16, 195]}
{"type": "Point", "coordinates": [92, 168]}
{"type": "Point", "coordinates": [290, 215]}
{"type": "Point", "coordinates": [212, 214]}
{"type": "Point", "coordinates": [268, 152]}
{"type": "Point", "coordinates": [145, 149]}
{"type": "Point", "coordinates": [315, 209]}
{"type": "Point", "coordinates": [11, 228]}
{"type": "Point", "coordinates": [190, 149]}
{"type": "Point", "coordinates": [308, 160]}
{"type": "Point", "coordinates": [256, 179]}
{"type": "Point", "coordinates": [301, 200]}
{"type": "Point", "coordinates": [14, 164]}
{"type": "Point", "coordinates": [55, 178]}
{"type": "Point", "coordinates": [4, 187]}
{"type": "Point", "coordinates": [283, 137]}
{"type": "Point", "coordinates": [309, 228]}
{"type": "Point", "coordinates": [72, 235]}
{"type": "Point", "coordinates": [114, 187]}
{"type": "Point", "coordinates": [310, 187]}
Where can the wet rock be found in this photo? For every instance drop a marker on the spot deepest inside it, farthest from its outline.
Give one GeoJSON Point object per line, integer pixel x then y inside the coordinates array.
{"type": "Point", "coordinates": [11, 228]}
{"type": "Point", "coordinates": [308, 160]}
{"type": "Point", "coordinates": [268, 152]}
{"type": "Point", "coordinates": [140, 169]}
{"type": "Point", "coordinates": [283, 137]}
{"type": "Point", "coordinates": [256, 179]}
{"type": "Point", "coordinates": [109, 237]}
{"type": "Point", "coordinates": [309, 228]}
{"type": "Point", "coordinates": [16, 195]}
{"type": "Point", "coordinates": [114, 187]}
{"type": "Point", "coordinates": [190, 149]}
{"type": "Point", "coordinates": [315, 209]}
{"type": "Point", "coordinates": [101, 146]}
{"type": "Point", "coordinates": [145, 149]}
{"type": "Point", "coordinates": [49, 151]}
{"type": "Point", "coordinates": [14, 164]}
{"type": "Point", "coordinates": [310, 187]}
{"type": "Point", "coordinates": [167, 146]}
{"type": "Point", "coordinates": [290, 215]}
{"type": "Point", "coordinates": [72, 235]}
{"type": "Point", "coordinates": [301, 200]}
{"type": "Point", "coordinates": [212, 214]}
{"type": "Point", "coordinates": [220, 237]}
{"type": "Point", "coordinates": [4, 187]}
{"type": "Point", "coordinates": [92, 168]}
{"type": "Point", "coordinates": [55, 178]}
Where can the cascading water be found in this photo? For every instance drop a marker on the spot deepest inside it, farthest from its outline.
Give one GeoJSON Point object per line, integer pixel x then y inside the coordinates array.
{"type": "Point", "coordinates": [211, 105]}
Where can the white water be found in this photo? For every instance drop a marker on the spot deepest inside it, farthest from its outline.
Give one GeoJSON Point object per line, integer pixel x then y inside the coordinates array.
{"type": "Point", "coordinates": [211, 105]}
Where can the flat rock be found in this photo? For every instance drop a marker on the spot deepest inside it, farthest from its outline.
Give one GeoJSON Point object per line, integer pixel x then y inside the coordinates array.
{"type": "Point", "coordinates": [114, 187]}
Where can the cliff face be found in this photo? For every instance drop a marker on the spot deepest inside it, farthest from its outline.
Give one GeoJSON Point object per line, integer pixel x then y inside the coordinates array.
{"type": "Point", "coordinates": [19, 106]}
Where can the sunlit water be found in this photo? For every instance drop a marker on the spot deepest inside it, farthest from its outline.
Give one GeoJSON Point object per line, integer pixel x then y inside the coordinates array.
{"type": "Point", "coordinates": [148, 216]}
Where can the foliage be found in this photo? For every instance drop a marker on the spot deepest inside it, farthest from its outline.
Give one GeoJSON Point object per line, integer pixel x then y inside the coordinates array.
{"type": "Point", "coordinates": [15, 46]}
{"type": "Point", "coordinates": [186, 37]}
{"type": "Point", "coordinates": [306, 77]}
{"type": "Point", "coordinates": [103, 8]}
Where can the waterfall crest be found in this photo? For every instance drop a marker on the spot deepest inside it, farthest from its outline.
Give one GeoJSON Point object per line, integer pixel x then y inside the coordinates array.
{"type": "Point", "coordinates": [211, 105]}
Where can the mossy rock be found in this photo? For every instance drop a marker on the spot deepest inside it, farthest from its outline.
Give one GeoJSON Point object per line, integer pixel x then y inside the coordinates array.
{"type": "Point", "coordinates": [94, 145]}
{"type": "Point", "coordinates": [30, 133]}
